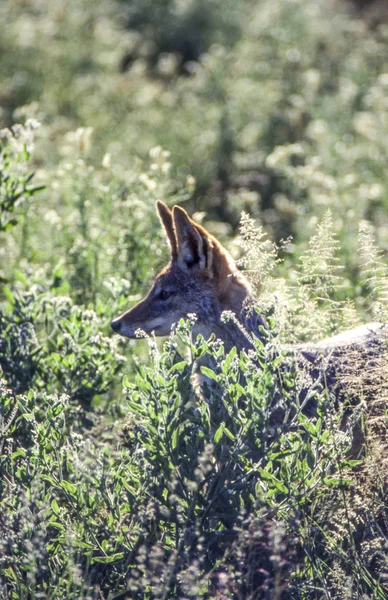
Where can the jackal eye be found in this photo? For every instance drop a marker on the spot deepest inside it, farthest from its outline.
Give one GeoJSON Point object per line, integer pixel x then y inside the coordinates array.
{"type": "Point", "coordinates": [165, 294]}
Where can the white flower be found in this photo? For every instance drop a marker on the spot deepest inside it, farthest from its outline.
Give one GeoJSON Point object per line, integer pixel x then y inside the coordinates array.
{"type": "Point", "coordinates": [106, 161]}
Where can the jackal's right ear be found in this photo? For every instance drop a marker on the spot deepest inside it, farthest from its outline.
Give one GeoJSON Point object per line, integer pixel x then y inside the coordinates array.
{"type": "Point", "coordinates": [165, 215]}
{"type": "Point", "coordinates": [194, 244]}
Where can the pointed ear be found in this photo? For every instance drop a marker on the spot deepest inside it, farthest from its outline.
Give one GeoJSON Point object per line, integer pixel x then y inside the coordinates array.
{"type": "Point", "coordinates": [195, 246]}
{"type": "Point", "coordinates": [165, 215]}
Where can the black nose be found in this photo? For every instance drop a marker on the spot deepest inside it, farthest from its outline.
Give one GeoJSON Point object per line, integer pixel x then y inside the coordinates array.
{"type": "Point", "coordinates": [116, 325]}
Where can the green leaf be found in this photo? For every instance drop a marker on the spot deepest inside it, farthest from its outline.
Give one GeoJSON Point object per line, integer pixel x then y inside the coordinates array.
{"type": "Point", "coordinates": [337, 481]}
{"type": "Point", "coordinates": [230, 435]}
{"type": "Point", "coordinates": [275, 482]}
{"type": "Point", "coordinates": [55, 507]}
{"type": "Point", "coordinates": [174, 438]}
{"type": "Point", "coordinates": [18, 452]}
{"type": "Point", "coordinates": [10, 224]}
{"type": "Point", "coordinates": [239, 388]}
{"type": "Point", "coordinates": [136, 408]}
{"type": "Point", "coordinates": [10, 573]}
{"type": "Point", "coordinates": [70, 488]}
{"type": "Point", "coordinates": [353, 463]}
{"type": "Point", "coordinates": [57, 410]}
{"type": "Point", "coordinates": [179, 366]}
{"type": "Point", "coordinates": [218, 434]}
{"type": "Point", "coordinates": [49, 480]}
{"type": "Point", "coordinates": [57, 525]}
{"type": "Point", "coordinates": [9, 295]}
{"type": "Point", "coordinates": [108, 559]}
{"type": "Point", "coordinates": [34, 190]}
{"type": "Point", "coordinates": [20, 277]}
{"type": "Point", "coordinates": [209, 373]}
{"type": "Point", "coordinates": [229, 359]}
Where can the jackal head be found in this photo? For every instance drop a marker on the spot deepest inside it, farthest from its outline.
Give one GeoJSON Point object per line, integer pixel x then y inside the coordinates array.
{"type": "Point", "coordinates": [201, 278]}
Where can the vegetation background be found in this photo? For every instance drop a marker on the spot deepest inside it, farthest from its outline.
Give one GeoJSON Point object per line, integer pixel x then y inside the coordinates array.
{"type": "Point", "coordinates": [117, 479]}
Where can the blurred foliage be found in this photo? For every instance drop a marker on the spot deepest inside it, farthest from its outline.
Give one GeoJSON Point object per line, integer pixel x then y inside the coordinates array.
{"type": "Point", "coordinates": [14, 180]}
{"type": "Point", "coordinates": [156, 490]}
{"type": "Point", "coordinates": [280, 117]}
{"type": "Point", "coordinates": [185, 30]}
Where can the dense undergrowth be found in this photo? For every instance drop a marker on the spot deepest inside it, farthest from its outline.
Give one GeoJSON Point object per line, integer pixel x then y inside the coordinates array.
{"type": "Point", "coordinates": [119, 477]}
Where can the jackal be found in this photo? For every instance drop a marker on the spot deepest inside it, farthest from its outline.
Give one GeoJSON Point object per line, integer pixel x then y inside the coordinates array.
{"type": "Point", "coordinates": [203, 278]}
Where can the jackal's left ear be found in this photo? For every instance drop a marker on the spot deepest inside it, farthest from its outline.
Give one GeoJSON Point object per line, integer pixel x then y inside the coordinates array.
{"type": "Point", "coordinates": [165, 215]}
{"type": "Point", "coordinates": [195, 247]}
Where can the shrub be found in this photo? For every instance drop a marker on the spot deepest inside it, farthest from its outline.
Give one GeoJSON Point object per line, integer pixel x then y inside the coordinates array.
{"type": "Point", "coordinates": [225, 492]}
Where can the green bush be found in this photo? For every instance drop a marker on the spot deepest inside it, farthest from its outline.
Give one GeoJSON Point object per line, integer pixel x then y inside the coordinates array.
{"type": "Point", "coordinates": [233, 490]}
